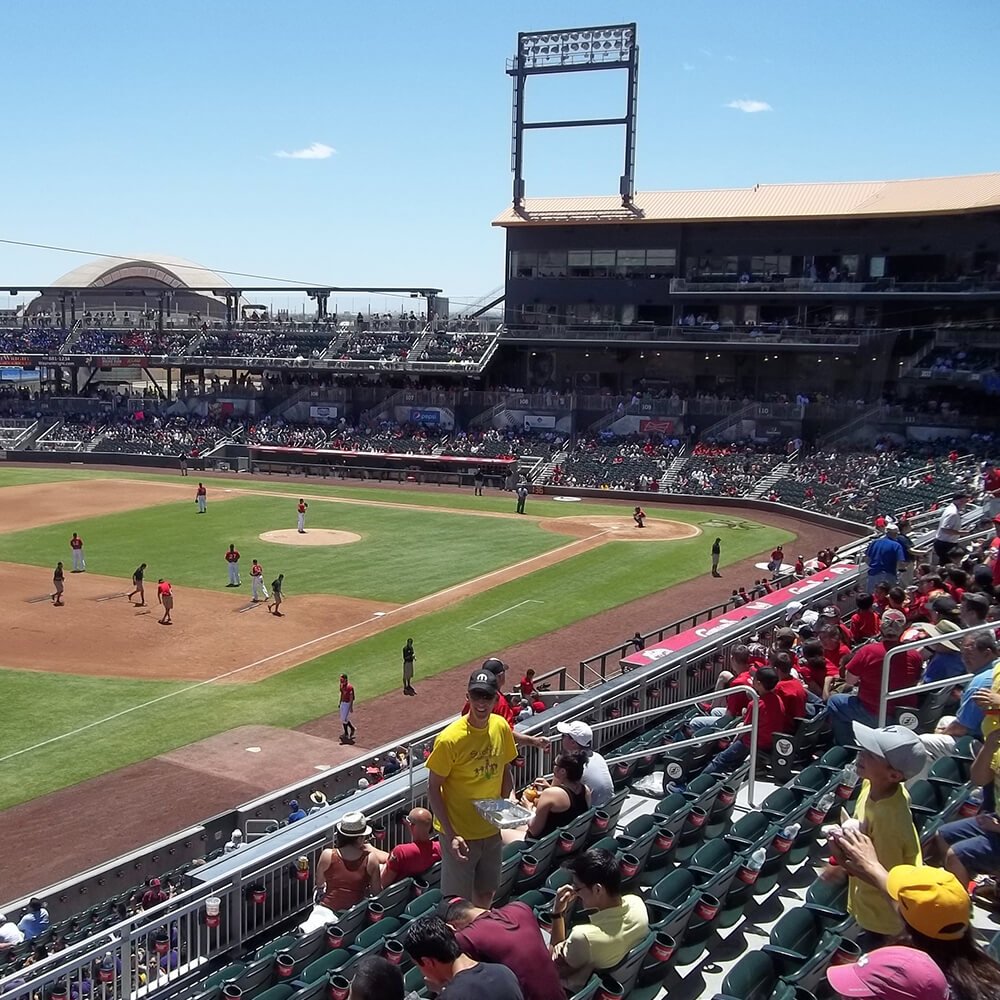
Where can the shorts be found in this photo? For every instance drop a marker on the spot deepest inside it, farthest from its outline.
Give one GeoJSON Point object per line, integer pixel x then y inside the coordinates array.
{"type": "Point", "coordinates": [977, 850]}
{"type": "Point", "coordinates": [168, 602]}
{"type": "Point", "coordinates": [480, 873]}
{"type": "Point", "coordinates": [58, 584]}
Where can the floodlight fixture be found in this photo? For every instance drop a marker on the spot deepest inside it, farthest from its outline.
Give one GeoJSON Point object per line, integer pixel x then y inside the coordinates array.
{"type": "Point", "coordinates": [568, 50]}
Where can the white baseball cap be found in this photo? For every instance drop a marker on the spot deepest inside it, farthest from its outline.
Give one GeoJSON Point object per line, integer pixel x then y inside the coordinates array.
{"type": "Point", "coordinates": [579, 732]}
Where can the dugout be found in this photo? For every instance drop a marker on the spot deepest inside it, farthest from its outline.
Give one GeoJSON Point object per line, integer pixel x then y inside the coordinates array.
{"type": "Point", "coordinates": [329, 463]}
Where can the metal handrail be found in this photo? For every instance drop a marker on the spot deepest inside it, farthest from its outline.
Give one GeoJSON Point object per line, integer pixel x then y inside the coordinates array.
{"type": "Point", "coordinates": [707, 737]}
{"type": "Point", "coordinates": [905, 647]}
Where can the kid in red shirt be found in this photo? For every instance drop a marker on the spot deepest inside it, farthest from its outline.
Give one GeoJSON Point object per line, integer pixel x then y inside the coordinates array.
{"type": "Point", "coordinates": [865, 621]}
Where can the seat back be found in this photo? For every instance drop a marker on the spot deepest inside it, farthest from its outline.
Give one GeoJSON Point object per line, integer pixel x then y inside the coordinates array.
{"type": "Point", "coordinates": [424, 903]}
{"type": "Point", "coordinates": [752, 978]}
{"type": "Point", "coordinates": [395, 898]}
{"type": "Point", "coordinates": [627, 970]}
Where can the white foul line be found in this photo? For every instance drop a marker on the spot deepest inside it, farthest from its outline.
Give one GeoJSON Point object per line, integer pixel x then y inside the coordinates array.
{"type": "Point", "coordinates": [293, 649]}
{"type": "Point", "coordinates": [513, 607]}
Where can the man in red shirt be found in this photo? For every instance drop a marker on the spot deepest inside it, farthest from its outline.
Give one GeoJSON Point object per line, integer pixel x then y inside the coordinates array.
{"type": "Point", "coordinates": [528, 686]}
{"type": "Point", "coordinates": [506, 935]}
{"type": "Point", "coordinates": [413, 859]}
{"type": "Point", "coordinates": [771, 720]}
{"type": "Point", "coordinates": [76, 546]}
{"type": "Point", "coordinates": [791, 691]}
{"type": "Point", "coordinates": [993, 551]}
{"type": "Point", "coordinates": [302, 508]}
{"type": "Point", "coordinates": [201, 498]}
{"type": "Point", "coordinates": [864, 671]}
{"type": "Point", "coordinates": [233, 562]}
{"type": "Point", "coordinates": [991, 491]}
{"type": "Point", "coordinates": [165, 597]}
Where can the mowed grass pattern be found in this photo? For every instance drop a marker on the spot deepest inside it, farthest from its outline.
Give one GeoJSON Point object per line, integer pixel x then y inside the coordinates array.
{"type": "Point", "coordinates": [417, 552]}
{"type": "Point", "coordinates": [403, 554]}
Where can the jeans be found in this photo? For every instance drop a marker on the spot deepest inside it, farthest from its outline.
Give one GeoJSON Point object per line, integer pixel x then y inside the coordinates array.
{"type": "Point", "coordinates": [729, 759]}
{"type": "Point", "coordinates": [874, 579]}
{"type": "Point", "coordinates": [844, 710]}
{"type": "Point", "coordinates": [700, 722]}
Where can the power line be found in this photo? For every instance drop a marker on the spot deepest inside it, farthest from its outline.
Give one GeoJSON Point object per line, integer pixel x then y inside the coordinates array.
{"type": "Point", "coordinates": [164, 264]}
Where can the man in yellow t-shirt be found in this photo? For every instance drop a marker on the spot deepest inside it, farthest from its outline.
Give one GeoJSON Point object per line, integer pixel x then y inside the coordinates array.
{"type": "Point", "coordinates": [471, 760]}
{"type": "Point", "coordinates": [887, 758]}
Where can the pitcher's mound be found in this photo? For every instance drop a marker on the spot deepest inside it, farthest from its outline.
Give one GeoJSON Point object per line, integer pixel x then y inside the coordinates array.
{"type": "Point", "coordinates": [312, 536]}
{"type": "Point", "coordinates": [620, 529]}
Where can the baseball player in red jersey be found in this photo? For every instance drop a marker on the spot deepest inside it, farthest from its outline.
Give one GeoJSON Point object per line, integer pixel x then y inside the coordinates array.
{"type": "Point", "coordinates": [76, 545]}
{"type": "Point", "coordinates": [165, 596]}
{"type": "Point", "coordinates": [302, 508]}
{"type": "Point", "coordinates": [639, 516]}
{"type": "Point", "coordinates": [257, 588]}
{"type": "Point", "coordinates": [233, 561]}
{"type": "Point", "coordinates": [201, 498]}
{"type": "Point", "coordinates": [991, 491]}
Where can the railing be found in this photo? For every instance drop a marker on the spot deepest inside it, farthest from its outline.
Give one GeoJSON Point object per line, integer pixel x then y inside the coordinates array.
{"type": "Point", "coordinates": [709, 696]}
{"type": "Point", "coordinates": [803, 284]}
{"type": "Point", "coordinates": [764, 334]}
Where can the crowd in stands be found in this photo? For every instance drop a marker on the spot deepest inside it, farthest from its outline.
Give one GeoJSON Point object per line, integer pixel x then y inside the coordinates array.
{"type": "Point", "coordinates": [496, 443]}
{"type": "Point", "coordinates": [454, 347]}
{"type": "Point", "coordinates": [394, 346]}
{"type": "Point", "coordinates": [732, 470]}
{"type": "Point", "coordinates": [126, 340]}
{"type": "Point", "coordinates": [135, 434]}
{"type": "Point", "coordinates": [31, 339]}
{"type": "Point", "coordinates": [637, 461]}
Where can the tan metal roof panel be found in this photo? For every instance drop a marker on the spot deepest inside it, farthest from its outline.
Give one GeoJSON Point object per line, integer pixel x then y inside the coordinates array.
{"type": "Point", "coordinates": [770, 201]}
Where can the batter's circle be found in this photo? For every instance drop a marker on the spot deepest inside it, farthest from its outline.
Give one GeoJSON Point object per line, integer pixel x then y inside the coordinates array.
{"type": "Point", "coordinates": [620, 529]}
{"type": "Point", "coordinates": [311, 536]}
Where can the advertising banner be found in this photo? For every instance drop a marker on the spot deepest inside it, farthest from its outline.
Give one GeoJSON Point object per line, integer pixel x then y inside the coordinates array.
{"type": "Point", "coordinates": [323, 413]}
{"type": "Point", "coordinates": [798, 591]}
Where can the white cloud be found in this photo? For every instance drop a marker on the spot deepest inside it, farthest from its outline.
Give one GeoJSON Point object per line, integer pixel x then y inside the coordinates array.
{"type": "Point", "coordinates": [314, 151]}
{"type": "Point", "coordinates": [750, 107]}
{"type": "Point", "coordinates": [688, 67]}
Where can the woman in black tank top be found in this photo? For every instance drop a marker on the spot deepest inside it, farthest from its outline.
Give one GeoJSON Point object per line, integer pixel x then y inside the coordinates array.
{"type": "Point", "coordinates": [551, 810]}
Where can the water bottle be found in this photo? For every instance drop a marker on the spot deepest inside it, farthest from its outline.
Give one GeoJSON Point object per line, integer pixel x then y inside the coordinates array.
{"type": "Point", "coordinates": [819, 810]}
{"type": "Point", "coordinates": [784, 840]}
{"type": "Point", "coordinates": [973, 803]}
{"type": "Point", "coordinates": [847, 782]}
{"type": "Point", "coordinates": [750, 872]}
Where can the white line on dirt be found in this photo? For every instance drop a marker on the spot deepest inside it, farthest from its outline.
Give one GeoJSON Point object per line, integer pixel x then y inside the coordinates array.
{"type": "Point", "coordinates": [294, 649]}
{"type": "Point", "coordinates": [513, 607]}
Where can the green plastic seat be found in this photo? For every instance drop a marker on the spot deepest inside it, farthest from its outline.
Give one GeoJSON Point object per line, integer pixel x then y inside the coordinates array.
{"type": "Point", "coordinates": [283, 943]}
{"type": "Point", "coordinates": [376, 932]}
{"type": "Point", "coordinates": [281, 992]}
{"type": "Point", "coordinates": [330, 962]}
{"type": "Point", "coordinates": [589, 991]}
{"type": "Point", "coordinates": [754, 977]}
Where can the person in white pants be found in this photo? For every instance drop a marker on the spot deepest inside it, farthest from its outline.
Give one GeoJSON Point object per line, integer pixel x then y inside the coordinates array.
{"type": "Point", "coordinates": [257, 589]}
{"type": "Point", "coordinates": [302, 508]}
{"type": "Point", "coordinates": [233, 561]}
{"type": "Point", "coordinates": [201, 498]}
{"type": "Point", "coordinates": [76, 546]}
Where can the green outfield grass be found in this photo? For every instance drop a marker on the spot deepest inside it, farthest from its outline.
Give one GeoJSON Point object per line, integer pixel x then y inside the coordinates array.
{"type": "Point", "coordinates": [40, 707]}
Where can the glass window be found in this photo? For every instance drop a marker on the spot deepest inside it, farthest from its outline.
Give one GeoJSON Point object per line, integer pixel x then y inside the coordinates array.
{"type": "Point", "coordinates": [631, 263]}
{"type": "Point", "coordinates": [578, 263]}
{"type": "Point", "coordinates": [661, 263]}
{"type": "Point", "coordinates": [602, 263]}
{"type": "Point", "coordinates": [552, 264]}
{"type": "Point", "coordinates": [876, 267]}
{"type": "Point", "coordinates": [523, 263]}
{"type": "Point", "coordinates": [849, 262]}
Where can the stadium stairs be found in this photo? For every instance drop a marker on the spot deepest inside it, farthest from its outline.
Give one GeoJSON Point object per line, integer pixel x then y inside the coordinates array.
{"type": "Point", "coordinates": [764, 486]}
{"type": "Point", "coordinates": [668, 481]}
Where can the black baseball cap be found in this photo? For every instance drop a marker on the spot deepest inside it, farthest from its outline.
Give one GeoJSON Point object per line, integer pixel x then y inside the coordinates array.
{"type": "Point", "coordinates": [494, 666]}
{"type": "Point", "coordinates": [484, 682]}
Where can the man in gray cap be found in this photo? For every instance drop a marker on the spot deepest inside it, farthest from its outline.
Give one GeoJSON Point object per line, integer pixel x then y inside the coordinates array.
{"type": "Point", "coordinates": [887, 758]}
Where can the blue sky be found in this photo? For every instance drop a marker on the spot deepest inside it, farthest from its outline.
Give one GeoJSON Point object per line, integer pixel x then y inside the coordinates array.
{"type": "Point", "coordinates": [140, 127]}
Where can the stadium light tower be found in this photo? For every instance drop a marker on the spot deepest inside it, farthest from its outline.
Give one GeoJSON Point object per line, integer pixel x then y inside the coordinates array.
{"type": "Point", "coordinates": [575, 50]}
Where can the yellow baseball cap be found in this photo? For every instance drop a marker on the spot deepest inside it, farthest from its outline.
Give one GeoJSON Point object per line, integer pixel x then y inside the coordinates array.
{"type": "Point", "coordinates": [931, 901]}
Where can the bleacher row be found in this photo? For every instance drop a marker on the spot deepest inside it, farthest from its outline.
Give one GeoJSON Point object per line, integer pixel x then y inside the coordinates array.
{"type": "Point", "coordinates": [364, 343]}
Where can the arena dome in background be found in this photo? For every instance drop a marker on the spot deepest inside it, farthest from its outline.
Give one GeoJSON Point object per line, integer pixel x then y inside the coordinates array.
{"type": "Point", "coordinates": [108, 284]}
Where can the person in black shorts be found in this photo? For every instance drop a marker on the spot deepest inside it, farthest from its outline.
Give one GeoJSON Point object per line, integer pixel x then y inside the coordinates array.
{"type": "Point", "coordinates": [276, 595]}
{"type": "Point", "coordinates": [477, 482]}
{"type": "Point", "coordinates": [408, 657]}
{"type": "Point", "coordinates": [137, 580]}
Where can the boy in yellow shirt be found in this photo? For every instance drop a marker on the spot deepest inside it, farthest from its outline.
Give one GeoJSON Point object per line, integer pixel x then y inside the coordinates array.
{"type": "Point", "coordinates": [886, 759]}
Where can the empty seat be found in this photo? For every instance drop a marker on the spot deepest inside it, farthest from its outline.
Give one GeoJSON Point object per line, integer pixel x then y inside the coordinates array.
{"type": "Point", "coordinates": [802, 947]}
{"type": "Point", "coordinates": [332, 961]}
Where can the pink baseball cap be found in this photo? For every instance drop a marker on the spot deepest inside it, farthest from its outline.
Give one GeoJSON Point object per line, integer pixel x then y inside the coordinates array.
{"type": "Point", "coordinates": [892, 973]}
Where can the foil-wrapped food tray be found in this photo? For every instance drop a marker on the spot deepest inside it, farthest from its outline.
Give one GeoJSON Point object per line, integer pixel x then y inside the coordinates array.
{"type": "Point", "coordinates": [502, 813]}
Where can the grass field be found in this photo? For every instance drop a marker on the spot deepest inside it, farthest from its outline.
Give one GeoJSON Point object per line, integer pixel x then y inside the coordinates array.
{"type": "Point", "coordinates": [404, 554]}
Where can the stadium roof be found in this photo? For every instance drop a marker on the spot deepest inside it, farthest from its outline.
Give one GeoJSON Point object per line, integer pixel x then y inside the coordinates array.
{"type": "Point", "coordinates": [175, 272]}
{"type": "Point", "coordinates": [840, 200]}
